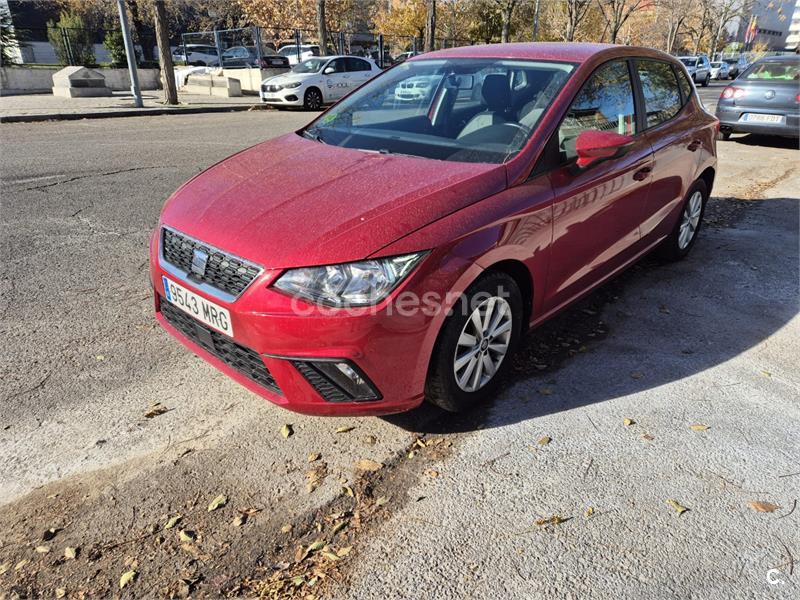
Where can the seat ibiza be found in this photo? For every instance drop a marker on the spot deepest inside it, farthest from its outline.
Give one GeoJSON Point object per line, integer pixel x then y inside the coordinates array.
{"type": "Point", "coordinates": [392, 252]}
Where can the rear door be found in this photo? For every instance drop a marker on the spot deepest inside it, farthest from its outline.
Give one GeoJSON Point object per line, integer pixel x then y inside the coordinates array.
{"type": "Point", "coordinates": [596, 212]}
{"type": "Point", "coordinates": [359, 72]}
{"type": "Point", "coordinates": [672, 133]}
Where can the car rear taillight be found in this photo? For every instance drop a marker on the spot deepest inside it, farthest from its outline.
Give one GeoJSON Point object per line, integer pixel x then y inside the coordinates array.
{"type": "Point", "coordinates": [797, 98]}
{"type": "Point", "coordinates": [732, 92]}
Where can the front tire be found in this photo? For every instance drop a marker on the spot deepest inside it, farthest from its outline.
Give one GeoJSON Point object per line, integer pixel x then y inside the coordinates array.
{"type": "Point", "coordinates": [475, 343]}
{"type": "Point", "coordinates": [680, 242]}
{"type": "Point", "coordinates": [312, 99]}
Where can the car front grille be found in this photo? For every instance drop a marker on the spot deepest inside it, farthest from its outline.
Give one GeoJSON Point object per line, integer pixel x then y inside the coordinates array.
{"type": "Point", "coordinates": [244, 360]}
{"type": "Point", "coordinates": [223, 271]}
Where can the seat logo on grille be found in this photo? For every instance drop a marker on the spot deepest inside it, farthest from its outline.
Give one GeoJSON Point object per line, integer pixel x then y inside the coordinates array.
{"type": "Point", "coordinates": [199, 262]}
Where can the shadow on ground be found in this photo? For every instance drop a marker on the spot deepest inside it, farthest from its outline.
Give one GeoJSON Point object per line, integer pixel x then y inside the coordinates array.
{"type": "Point", "coordinates": [672, 321]}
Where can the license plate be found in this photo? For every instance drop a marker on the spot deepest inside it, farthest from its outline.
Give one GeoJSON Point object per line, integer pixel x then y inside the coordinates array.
{"type": "Point", "coordinates": [756, 118]}
{"type": "Point", "coordinates": [201, 309]}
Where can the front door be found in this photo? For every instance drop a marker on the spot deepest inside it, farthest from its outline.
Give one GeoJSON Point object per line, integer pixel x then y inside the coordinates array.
{"type": "Point", "coordinates": [335, 78]}
{"type": "Point", "coordinates": [596, 212]}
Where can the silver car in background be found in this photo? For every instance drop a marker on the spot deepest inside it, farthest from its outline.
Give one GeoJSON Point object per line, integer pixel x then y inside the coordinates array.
{"type": "Point", "coordinates": [764, 99]}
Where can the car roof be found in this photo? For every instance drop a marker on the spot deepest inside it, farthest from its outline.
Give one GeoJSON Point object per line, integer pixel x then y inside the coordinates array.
{"type": "Point", "coordinates": [780, 57]}
{"type": "Point", "coordinates": [557, 51]}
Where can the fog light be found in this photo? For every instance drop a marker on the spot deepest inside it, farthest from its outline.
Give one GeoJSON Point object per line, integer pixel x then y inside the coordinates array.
{"type": "Point", "coordinates": [337, 381]}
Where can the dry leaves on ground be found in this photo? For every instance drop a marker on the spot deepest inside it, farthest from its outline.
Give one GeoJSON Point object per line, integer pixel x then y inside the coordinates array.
{"type": "Point", "coordinates": [155, 410]}
{"type": "Point", "coordinates": [677, 506]}
{"type": "Point", "coordinates": [698, 427]}
{"type": "Point", "coordinates": [366, 464]}
{"type": "Point", "coordinates": [218, 502]}
{"type": "Point", "coordinates": [287, 430]}
{"type": "Point", "coordinates": [764, 507]}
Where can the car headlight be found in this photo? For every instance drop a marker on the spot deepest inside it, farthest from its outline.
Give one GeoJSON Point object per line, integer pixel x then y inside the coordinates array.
{"type": "Point", "coordinates": [291, 86]}
{"type": "Point", "coordinates": [359, 283]}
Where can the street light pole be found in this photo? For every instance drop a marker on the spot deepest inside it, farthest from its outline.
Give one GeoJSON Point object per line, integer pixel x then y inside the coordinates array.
{"type": "Point", "coordinates": [536, 22]}
{"type": "Point", "coordinates": [130, 53]}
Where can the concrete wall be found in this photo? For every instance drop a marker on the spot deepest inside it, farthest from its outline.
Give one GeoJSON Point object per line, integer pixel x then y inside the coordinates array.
{"type": "Point", "coordinates": [251, 79]}
{"type": "Point", "coordinates": [22, 80]}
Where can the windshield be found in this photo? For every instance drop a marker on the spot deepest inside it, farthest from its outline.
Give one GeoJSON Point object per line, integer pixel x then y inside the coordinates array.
{"type": "Point", "coordinates": [774, 70]}
{"type": "Point", "coordinates": [311, 65]}
{"type": "Point", "coordinates": [463, 109]}
{"type": "Point", "coordinates": [689, 62]}
{"type": "Point", "coordinates": [716, 65]}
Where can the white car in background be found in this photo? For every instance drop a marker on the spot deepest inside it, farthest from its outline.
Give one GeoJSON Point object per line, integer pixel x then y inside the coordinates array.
{"type": "Point", "coordinates": [306, 51]}
{"type": "Point", "coordinates": [719, 70]}
{"type": "Point", "coordinates": [414, 89]}
{"type": "Point", "coordinates": [201, 55]}
{"type": "Point", "coordinates": [318, 80]}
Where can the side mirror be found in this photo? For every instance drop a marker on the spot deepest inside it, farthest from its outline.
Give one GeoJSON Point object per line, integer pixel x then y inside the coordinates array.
{"type": "Point", "coordinates": [593, 146]}
{"type": "Point", "coordinates": [328, 70]}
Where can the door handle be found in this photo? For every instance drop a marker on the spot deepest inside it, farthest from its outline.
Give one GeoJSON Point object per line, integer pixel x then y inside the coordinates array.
{"type": "Point", "coordinates": [694, 145]}
{"type": "Point", "coordinates": [642, 173]}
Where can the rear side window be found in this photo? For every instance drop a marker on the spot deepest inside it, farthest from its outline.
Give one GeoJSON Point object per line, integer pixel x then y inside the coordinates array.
{"type": "Point", "coordinates": [662, 96]}
{"type": "Point", "coordinates": [356, 64]}
{"type": "Point", "coordinates": [604, 103]}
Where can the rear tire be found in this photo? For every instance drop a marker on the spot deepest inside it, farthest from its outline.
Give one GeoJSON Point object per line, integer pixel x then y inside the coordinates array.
{"type": "Point", "coordinates": [312, 99]}
{"type": "Point", "coordinates": [706, 80]}
{"type": "Point", "coordinates": [680, 242]}
{"type": "Point", "coordinates": [724, 135]}
{"type": "Point", "coordinates": [495, 303]}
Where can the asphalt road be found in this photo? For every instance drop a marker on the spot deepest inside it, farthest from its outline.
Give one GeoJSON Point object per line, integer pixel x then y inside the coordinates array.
{"type": "Point", "coordinates": [712, 341]}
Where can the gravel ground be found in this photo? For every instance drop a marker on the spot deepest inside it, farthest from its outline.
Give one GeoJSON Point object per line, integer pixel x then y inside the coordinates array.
{"type": "Point", "coordinates": [710, 341]}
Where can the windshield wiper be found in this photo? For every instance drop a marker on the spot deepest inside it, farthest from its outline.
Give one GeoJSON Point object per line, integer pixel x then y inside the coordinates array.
{"type": "Point", "coordinates": [313, 136]}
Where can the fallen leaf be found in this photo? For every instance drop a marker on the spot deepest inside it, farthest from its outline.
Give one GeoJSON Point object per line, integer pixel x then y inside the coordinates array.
{"type": "Point", "coordinates": [589, 512]}
{"type": "Point", "coordinates": [345, 429]}
{"type": "Point", "coordinates": [42, 549]}
{"type": "Point", "coordinates": [21, 564]}
{"type": "Point", "coordinates": [628, 422]}
{"type": "Point", "coordinates": [70, 553]}
{"type": "Point", "coordinates": [172, 521]}
{"type": "Point", "coordinates": [286, 528]}
{"type": "Point", "coordinates": [60, 592]}
{"type": "Point", "coordinates": [342, 552]}
{"type": "Point", "coordinates": [127, 577]}
{"type": "Point", "coordinates": [764, 507]}
{"type": "Point", "coordinates": [432, 473]}
{"type": "Point", "coordinates": [647, 437]}
{"type": "Point", "coordinates": [314, 456]}
{"type": "Point", "coordinates": [365, 464]}
{"type": "Point", "coordinates": [338, 527]}
{"type": "Point", "coordinates": [218, 502]}
{"type": "Point", "coordinates": [679, 508]}
{"type": "Point", "coordinates": [4, 567]}
{"type": "Point", "coordinates": [329, 555]}
{"type": "Point", "coordinates": [370, 440]}
{"type": "Point", "coordinates": [315, 477]}
{"type": "Point", "coordinates": [348, 491]}
{"type": "Point", "coordinates": [239, 520]}
{"type": "Point", "coordinates": [543, 441]}
{"type": "Point", "coordinates": [287, 430]}
{"type": "Point", "coordinates": [698, 427]}
{"type": "Point", "coordinates": [381, 501]}
{"type": "Point", "coordinates": [155, 410]}
{"type": "Point", "coordinates": [186, 536]}
{"type": "Point", "coordinates": [298, 580]}
{"type": "Point", "coordinates": [412, 454]}
{"type": "Point", "coordinates": [554, 520]}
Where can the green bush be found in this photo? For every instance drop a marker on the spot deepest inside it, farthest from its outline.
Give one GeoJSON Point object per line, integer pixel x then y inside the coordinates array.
{"type": "Point", "coordinates": [115, 45]}
{"type": "Point", "coordinates": [70, 39]}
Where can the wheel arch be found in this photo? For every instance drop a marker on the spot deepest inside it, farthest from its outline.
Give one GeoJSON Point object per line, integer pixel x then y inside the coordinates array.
{"type": "Point", "coordinates": [520, 273]}
{"type": "Point", "coordinates": [708, 178]}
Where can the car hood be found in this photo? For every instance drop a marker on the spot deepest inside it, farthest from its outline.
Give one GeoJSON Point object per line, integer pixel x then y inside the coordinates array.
{"type": "Point", "coordinates": [288, 78]}
{"type": "Point", "coordinates": [293, 202]}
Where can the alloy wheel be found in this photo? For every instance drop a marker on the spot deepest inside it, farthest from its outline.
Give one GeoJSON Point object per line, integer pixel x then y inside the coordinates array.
{"type": "Point", "coordinates": [690, 220]}
{"type": "Point", "coordinates": [483, 344]}
{"type": "Point", "coordinates": [313, 100]}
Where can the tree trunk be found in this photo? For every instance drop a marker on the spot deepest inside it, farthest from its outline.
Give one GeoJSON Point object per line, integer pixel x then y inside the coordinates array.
{"type": "Point", "coordinates": [138, 29]}
{"type": "Point", "coordinates": [430, 26]}
{"type": "Point", "coordinates": [164, 54]}
{"type": "Point", "coordinates": [322, 29]}
{"type": "Point", "coordinates": [506, 31]}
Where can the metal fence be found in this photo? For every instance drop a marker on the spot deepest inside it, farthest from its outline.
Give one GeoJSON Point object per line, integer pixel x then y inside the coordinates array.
{"type": "Point", "coordinates": [101, 47]}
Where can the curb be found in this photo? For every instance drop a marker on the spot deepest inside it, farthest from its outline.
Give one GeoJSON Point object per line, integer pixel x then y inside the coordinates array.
{"type": "Point", "coordinates": [133, 112]}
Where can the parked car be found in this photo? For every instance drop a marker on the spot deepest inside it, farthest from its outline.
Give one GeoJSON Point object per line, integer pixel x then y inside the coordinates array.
{"type": "Point", "coordinates": [306, 51]}
{"type": "Point", "coordinates": [699, 68]}
{"type": "Point", "coordinates": [200, 55]}
{"type": "Point", "coordinates": [415, 89]}
{"type": "Point", "coordinates": [246, 56]}
{"type": "Point", "coordinates": [719, 70]}
{"type": "Point", "coordinates": [317, 81]}
{"type": "Point", "coordinates": [384, 254]}
{"type": "Point", "coordinates": [764, 99]}
{"type": "Point", "coordinates": [735, 66]}
{"type": "Point", "coordinates": [403, 56]}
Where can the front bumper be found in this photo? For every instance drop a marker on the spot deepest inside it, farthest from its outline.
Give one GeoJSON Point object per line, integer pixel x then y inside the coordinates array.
{"type": "Point", "coordinates": [285, 97]}
{"type": "Point", "coordinates": [390, 348]}
{"type": "Point", "coordinates": [729, 119]}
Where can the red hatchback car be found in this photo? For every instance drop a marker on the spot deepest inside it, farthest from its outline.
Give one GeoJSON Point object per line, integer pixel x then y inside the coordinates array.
{"type": "Point", "coordinates": [396, 250]}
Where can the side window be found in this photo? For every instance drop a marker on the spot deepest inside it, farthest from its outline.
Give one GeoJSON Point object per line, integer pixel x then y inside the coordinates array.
{"type": "Point", "coordinates": [356, 64]}
{"type": "Point", "coordinates": [662, 97]}
{"type": "Point", "coordinates": [686, 85]}
{"type": "Point", "coordinates": [605, 103]}
{"type": "Point", "coordinates": [338, 65]}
